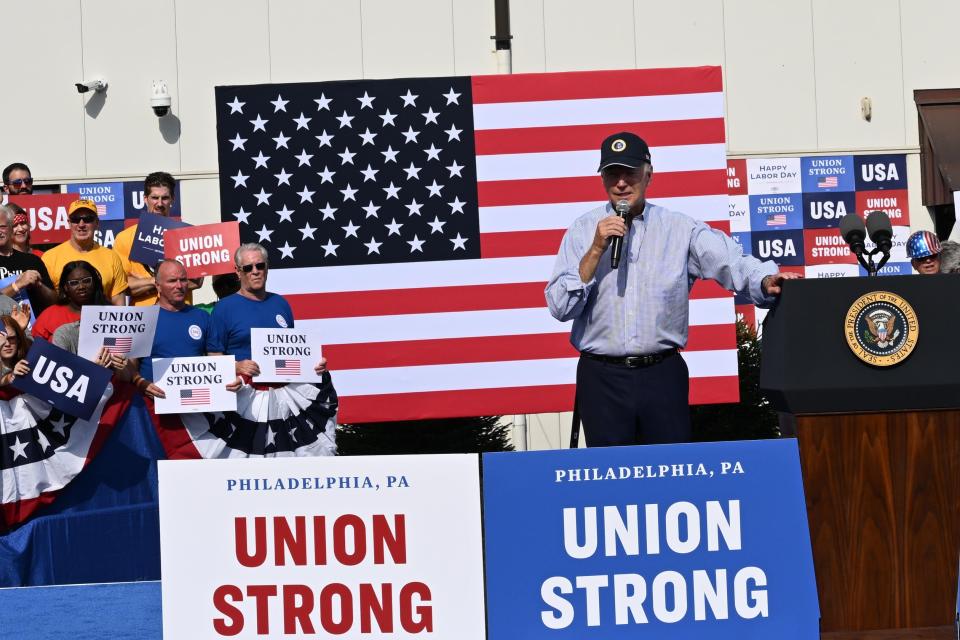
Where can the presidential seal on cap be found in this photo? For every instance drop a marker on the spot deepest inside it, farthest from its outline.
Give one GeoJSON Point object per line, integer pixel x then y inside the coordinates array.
{"type": "Point", "coordinates": [624, 149]}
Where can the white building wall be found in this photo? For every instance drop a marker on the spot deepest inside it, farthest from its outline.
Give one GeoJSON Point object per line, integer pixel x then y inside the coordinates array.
{"type": "Point", "coordinates": [795, 72]}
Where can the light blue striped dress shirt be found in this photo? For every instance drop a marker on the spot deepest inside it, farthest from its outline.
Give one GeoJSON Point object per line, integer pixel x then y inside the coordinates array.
{"type": "Point", "coordinates": [642, 307]}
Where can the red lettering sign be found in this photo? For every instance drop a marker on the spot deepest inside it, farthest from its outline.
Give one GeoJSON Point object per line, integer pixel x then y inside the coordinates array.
{"type": "Point", "coordinates": [893, 202]}
{"type": "Point", "coordinates": [737, 177]}
{"type": "Point", "coordinates": [48, 216]}
{"type": "Point", "coordinates": [205, 250]}
{"type": "Point", "coordinates": [826, 246]}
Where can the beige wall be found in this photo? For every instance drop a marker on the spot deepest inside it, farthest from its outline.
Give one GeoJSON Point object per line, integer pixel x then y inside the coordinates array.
{"type": "Point", "coordinates": [795, 72]}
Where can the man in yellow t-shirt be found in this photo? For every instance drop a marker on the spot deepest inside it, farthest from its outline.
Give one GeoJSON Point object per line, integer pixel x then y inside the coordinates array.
{"type": "Point", "coordinates": [82, 245]}
{"type": "Point", "coordinates": [158, 195]}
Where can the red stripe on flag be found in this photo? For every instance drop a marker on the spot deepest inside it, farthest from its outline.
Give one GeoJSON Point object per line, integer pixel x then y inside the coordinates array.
{"type": "Point", "coordinates": [315, 306]}
{"type": "Point", "coordinates": [512, 244]}
{"type": "Point", "coordinates": [715, 389]}
{"type": "Point", "coordinates": [536, 87]}
{"type": "Point", "coordinates": [581, 137]}
{"type": "Point", "coordinates": [498, 193]}
{"type": "Point", "coordinates": [711, 337]}
{"type": "Point", "coordinates": [412, 353]}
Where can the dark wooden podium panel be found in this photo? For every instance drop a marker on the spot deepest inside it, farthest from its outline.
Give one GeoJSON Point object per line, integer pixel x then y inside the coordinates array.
{"type": "Point", "coordinates": [883, 504]}
{"type": "Point", "coordinates": [947, 632]}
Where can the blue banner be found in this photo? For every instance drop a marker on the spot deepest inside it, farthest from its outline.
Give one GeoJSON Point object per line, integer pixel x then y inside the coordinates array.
{"type": "Point", "coordinates": [673, 541]}
{"type": "Point", "coordinates": [880, 173]}
{"type": "Point", "coordinates": [107, 195]}
{"type": "Point", "coordinates": [776, 211]}
{"type": "Point", "coordinates": [827, 174]}
{"type": "Point", "coordinates": [783, 247]}
{"type": "Point", "coordinates": [826, 210]}
{"type": "Point", "coordinates": [68, 382]}
{"type": "Point", "coordinates": [148, 241]}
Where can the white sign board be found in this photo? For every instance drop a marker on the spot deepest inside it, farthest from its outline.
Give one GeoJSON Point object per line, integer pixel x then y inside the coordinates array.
{"type": "Point", "coordinates": [195, 385]}
{"type": "Point", "coordinates": [285, 355]}
{"type": "Point", "coordinates": [123, 330]}
{"type": "Point", "coordinates": [373, 547]}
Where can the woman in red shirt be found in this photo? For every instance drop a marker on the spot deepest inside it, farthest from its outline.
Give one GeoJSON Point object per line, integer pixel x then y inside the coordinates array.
{"type": "Point", "coordinates": [80, 284]}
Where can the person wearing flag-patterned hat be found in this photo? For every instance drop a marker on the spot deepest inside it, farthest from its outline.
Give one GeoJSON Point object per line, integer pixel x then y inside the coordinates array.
{"type": "Point", "coordinates": [923, 249]}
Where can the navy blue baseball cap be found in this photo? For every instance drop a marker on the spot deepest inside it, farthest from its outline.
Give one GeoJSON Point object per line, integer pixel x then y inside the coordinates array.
{"type": "Point", "coordinates": [625, 149]}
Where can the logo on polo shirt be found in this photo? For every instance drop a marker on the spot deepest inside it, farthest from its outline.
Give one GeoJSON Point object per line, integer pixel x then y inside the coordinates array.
{"type": "Point", "coordinates": [281, 321]}
{"type": "Point", "coordinates": [195, 332]}
{"type": "Point", "coordinates": [881, 328]}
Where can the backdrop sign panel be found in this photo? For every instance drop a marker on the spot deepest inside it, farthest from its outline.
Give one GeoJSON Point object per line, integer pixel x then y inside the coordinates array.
{"type": "Point", "coordinates": [48, 216]}
{"type": "Point", "coordinates": [667, 542]}
{"type": "Point", "coordinates": [68, 382]}
{"type": "Point", "coordinates": [123, 330]}
{"type": "Point", "coordinates": [373, 547]}
{"type": "Point", "coordinates": [205, 249]}
{"type": "Point", "coordinates": [195, 385]}
{"type": "Point", "coordinates": [285, 355]}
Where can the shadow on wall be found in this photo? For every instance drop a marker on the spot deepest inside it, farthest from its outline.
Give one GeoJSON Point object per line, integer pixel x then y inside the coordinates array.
{"type": "Point", "coordinates": [169, 128]}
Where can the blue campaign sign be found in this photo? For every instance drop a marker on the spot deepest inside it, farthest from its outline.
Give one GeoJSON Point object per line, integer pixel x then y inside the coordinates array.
{"type": "Point", "coordinates": [826, 210]}
{"type": "Point", "coordinates": [148, 240]}
{"type": "Point", "coordinates": [827, 174]}
{"type": "Point", "coordinates": [68, 382]}
{"type": "Point", "coordinates": [776, 211]}
{"type": "Point", "coordinates": [783, 247]}
{"type": "Point", "coordinates": [670, 542]}
{"type": "Point", "coordinates": [107, 195]}
{"type": "Point", "coordinates": [134, 204]}
{"type": "Point", "coordinates": [882, 172]}
{"type": "Point", "coordinates": [892, 269]}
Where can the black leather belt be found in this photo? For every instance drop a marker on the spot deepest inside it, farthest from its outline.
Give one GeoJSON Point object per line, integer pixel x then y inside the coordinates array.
{"type": "Point", "coordinates": [632, 362]}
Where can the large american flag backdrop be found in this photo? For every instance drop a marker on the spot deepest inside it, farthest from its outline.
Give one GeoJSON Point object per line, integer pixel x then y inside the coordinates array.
{"type": "Point", "coordinates": [414, 222]}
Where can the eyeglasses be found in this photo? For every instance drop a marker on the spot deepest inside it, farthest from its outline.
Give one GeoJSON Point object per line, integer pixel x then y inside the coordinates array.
{"type": "Point", "coordinates": [87, 218]}
{"type": "Point", "coordinates": [260, 266]}
{"type": "Point", "coordinates": [931, 258]}
{"type": "Point", "coordinates": [19, 182]}
{"type": "Point", "coordinates": [80, 281]}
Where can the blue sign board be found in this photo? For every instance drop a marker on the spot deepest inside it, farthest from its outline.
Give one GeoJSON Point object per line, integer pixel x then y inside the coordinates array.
{"type": "Point", "coordinates": [684, 541]}
{"type": "Point", "coordinates": [892, 269]}
{"type": "Point", "coordinates": [775, 211]}
{"type": "Point", "coordinates": [148, 240]}
{"type": "Point", "coordinates": [783, 247]}
{"type": "Point", "coordinates": [119, 200]}
{"type": "Point", "coordinates": [882, 172]}
{"type": "Point", "coordinates": [68, 382]}
{"type": "Point", "coordinates": [820, 174]}
{"type": "Point", "coordinates": [826, 210]}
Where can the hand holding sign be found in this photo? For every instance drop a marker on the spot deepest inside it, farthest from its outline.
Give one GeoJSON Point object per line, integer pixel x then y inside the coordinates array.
{"type": "Point", "coordinates": [68, 382]}
{"type": "Point", "coordinates": [124, 331]}
{"type": "Point", "coordinates": [205, 249]}
{"type": "Point", "coordinates": [287, 355]}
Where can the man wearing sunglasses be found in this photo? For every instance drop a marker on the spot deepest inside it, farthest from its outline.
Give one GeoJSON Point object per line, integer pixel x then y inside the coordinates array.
{"type": "Point", "coordinates": [17, 180]}
{"type": "Point", "coordinates": [923, 249]}
{"type": "Point", "coordinates": [83, 245]}
{"type": "Point", "coordinates": [253, 306]}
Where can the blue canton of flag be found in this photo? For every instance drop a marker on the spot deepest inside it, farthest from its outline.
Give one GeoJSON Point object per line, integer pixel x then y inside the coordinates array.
{"type": "Point", "coordinates": [341, 173]}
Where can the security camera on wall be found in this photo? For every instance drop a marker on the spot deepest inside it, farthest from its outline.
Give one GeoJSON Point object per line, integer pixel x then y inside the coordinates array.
{"type": "Point", "coordinates": [97, 85]}
{"type": "Point", "coordinates": [160, 100]}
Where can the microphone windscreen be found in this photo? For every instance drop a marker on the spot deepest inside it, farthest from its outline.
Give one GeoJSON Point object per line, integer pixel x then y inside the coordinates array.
{"type": "Point", "coordinates": [852, 228]}
{"type": "Point", "coordinates": [622, 208]}
{"type": "Point", "coordinates": [878, 222]}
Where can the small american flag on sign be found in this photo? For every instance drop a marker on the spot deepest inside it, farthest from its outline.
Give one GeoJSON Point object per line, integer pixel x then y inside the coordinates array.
{"type": "Point", "coordinates": [118, 345]}
{"type": "Point", "coordinates": [195, 396]}
{"type": "Point", "coordinates": [101, 209]}
{"type": "Point", "coordinates": [830, 182]}
{"type": "Point", "coordinates": [287, 367]}
{"type": "Point", "coordinates": [777, 220]}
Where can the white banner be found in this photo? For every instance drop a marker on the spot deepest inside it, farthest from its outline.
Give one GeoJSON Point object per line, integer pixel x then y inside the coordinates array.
{"type": "Point", "coordinates": [123, 330]}
{"type": "Point", "coordinates": [373, 547]}
{"type": "Point", "coordinates": [285, 355]}
{"type": "Point", "coordinates": [195, 385]}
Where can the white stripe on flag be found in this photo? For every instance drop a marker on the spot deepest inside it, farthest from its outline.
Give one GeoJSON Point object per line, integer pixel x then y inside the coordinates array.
{"type": "Point", "coordinates": [561, 113]}
{"type": "Point", "coordinates": [565, 164]}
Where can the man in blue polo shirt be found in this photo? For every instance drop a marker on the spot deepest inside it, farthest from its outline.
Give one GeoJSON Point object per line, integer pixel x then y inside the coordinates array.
{"type": "Point", "coordinates": [253, 306]}
{"type": "Point", "coordinates": [182, 329]}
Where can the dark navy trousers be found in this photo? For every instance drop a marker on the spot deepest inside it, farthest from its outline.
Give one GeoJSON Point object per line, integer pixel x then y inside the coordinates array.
{"type": "Point", "coordinates": [620, 405]}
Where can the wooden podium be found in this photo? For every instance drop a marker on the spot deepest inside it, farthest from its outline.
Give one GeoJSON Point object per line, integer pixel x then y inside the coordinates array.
{"type": "Point", "coordinates": [880, 453]}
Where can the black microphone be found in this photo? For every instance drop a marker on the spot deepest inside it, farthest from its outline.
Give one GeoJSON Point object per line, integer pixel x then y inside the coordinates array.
{"type": "Point", "coordinates": [880, 230]}
{"type": "Point", "coordinates": [854, 233]}
{"type": "Point", "coordinates": [616, 244]}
